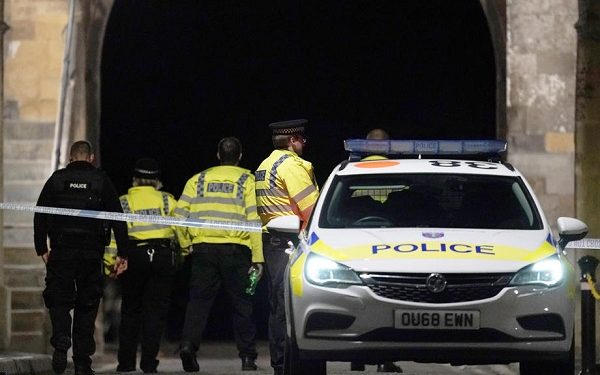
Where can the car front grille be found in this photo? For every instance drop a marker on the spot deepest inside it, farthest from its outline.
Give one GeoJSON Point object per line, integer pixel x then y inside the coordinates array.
{"type": "Point", "coordinates": [459, 287]}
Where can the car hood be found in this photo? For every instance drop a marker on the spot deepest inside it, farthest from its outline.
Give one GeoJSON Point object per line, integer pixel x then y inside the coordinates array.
{"type": "Point", "coordinates": [432, 250]}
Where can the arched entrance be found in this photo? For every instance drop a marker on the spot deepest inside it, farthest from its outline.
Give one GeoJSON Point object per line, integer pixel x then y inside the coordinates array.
{"type": "Point", "coordinates": [176, 78]}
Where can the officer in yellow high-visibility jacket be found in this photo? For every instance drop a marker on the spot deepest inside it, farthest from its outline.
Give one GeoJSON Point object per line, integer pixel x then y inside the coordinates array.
{"type": "Point", "coordinates": [285, 185]}
{"type": "Point", "coordinates": [146, 286]}
{"type": "Point", "coordinates": [221, 256]}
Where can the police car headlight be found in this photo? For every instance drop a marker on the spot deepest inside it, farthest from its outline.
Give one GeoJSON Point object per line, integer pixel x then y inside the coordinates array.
{"type": "Point", "coordinates": [326, 272]}
{"type": "Point", "coordinates": [549, 272]}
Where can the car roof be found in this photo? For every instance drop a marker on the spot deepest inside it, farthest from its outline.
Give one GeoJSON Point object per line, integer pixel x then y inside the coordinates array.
{"type": "Point", "coordinates": [442, 166]}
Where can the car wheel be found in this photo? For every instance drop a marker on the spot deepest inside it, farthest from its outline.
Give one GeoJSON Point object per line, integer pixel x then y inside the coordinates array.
{"type": "Point", "coordinates": [293, 365]}
{"type": "Point", "coordinates": [563, 367]}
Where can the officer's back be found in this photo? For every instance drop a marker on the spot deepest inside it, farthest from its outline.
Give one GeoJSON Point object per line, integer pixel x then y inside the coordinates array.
{"type": "Point", "coordinates": [73, 261]}
{"type": "Point", "coordinates": [79, 185]}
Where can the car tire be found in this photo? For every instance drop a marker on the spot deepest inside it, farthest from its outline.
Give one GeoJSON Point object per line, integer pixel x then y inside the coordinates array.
{"type": "Point", "coordinates": [293, 365]}
{"type": "Point", "coordinates": [563, 367]}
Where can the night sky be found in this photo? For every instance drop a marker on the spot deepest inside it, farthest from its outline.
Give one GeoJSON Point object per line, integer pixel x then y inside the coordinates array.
{"type": "Point", "coordinates": [177, 76]}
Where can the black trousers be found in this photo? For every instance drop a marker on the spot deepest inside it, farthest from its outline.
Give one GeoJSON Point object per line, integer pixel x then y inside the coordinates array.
{"type": "Point", "coordinates": [74, 281]}
{"type": "Point", "coordinates": [213, 266]}
{"type": "Point", "coordinates": [179, 301]}
{"type": "Point", "coordinates": [276, 260]}
{"type": "Point", "coordinates": [146, 291]}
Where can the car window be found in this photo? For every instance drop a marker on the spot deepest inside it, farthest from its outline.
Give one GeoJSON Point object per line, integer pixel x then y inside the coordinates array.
{"type": "Point", "coordinates": [429, 200]}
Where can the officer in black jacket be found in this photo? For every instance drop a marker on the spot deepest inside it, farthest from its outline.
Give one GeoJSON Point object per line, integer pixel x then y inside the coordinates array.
{"type": "Point", "coordinates": [74, 276]}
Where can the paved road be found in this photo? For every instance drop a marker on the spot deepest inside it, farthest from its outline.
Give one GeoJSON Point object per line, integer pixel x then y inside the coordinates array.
{"type": "Point", "coordinates": [221, 358]}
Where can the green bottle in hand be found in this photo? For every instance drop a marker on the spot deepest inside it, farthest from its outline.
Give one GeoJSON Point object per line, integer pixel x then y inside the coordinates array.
{"type": "Point", "coordinates": [252, 282]}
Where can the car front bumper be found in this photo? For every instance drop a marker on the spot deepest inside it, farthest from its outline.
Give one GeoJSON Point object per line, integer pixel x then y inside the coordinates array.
{"type": "Point", "coordinates": [354, 323]}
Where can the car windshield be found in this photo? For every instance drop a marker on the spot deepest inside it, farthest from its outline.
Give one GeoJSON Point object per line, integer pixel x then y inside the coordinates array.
{"type": "Point", "coordinates": [429, 200]}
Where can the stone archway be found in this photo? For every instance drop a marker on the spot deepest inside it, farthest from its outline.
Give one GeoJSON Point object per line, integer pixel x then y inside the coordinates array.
{"type": "Point", "coordinates": [535, 53]}
{"type": "Point", "coordinates": [409, 67]}
{"type": "Point", "coordinates": [540, 95]}
{"type": "Point", "coordinates": [81, 107]}
{"type": "Point", "coordinates": [500, 91]}
{"type": "Point", "coordinates": [92, 17]}
{"type": "Point", "coordinates": [534, 49]}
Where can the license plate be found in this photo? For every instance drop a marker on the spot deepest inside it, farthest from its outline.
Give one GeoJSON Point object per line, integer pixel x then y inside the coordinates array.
{"type": "Point", "coordinates": [439, 319]}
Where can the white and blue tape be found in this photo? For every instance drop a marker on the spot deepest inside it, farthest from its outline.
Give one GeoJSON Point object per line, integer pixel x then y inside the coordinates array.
{"type": "Point", "coordinates": [245, 226]}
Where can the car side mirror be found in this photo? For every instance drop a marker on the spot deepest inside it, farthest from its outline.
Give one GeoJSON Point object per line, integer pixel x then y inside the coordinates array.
{"type": "Point", "coordinates": [285, 224]}
{"type": "Point", "coordinates": [570, 229]}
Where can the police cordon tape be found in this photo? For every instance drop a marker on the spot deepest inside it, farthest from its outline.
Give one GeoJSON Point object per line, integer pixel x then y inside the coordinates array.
{"type": "Point", "coordinates": [244, 226]}
{"type": "Point", "coordinates": [586, 243]}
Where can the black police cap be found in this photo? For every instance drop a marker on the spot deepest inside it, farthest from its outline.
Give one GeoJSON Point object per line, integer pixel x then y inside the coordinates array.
{"type": "Point", "coordinates": [146, 168]}
{"type": "Point", "coordinates": [288, 127]}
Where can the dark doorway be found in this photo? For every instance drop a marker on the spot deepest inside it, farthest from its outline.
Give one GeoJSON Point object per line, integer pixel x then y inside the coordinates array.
{"type": "Point", "coordinates": [179, 76]}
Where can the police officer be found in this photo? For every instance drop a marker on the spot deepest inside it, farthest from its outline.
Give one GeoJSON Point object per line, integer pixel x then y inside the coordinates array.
{"type": "Point", "coordinates": [378, 135]}
{"type": "Point", "coordinates": [74, 277]}
{"type": "Point", "coordinates": [285, 185]}
{"type": "Point", "coordinates": [146, 286]}
{"type": "Point", "coordinates": [220, 256]}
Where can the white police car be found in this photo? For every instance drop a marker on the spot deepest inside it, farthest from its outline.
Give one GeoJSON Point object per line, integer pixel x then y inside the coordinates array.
{"type": "Point", "coordinates": [432, 258]}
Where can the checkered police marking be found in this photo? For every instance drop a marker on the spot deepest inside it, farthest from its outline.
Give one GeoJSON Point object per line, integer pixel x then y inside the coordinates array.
{"type": "Point", "coordinates": [245, 226]}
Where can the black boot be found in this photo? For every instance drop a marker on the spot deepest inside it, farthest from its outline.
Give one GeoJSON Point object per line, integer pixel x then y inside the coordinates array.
{"type": "Point", "coordinates": [59, 357]}
{"type": "Point", "coordinates": [355, 366]}
{"type": "Point", "coordinates": [249, 364]}
{"type": "Point", "coordinates": [123, 368]}
{"type": "Point", "coordinates": [59, 361]}
{"type": "Point", "coordinates": [187, 353]}
{"type": "Point", "coordinates": [149, 366]}
{"type": "Point", "coordinates": [84, 370]}
{"type": "Point", "coordinates": [388, 367]}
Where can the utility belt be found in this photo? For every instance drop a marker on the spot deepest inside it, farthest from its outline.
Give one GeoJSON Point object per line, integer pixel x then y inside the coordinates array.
{"type": "Point", "coordinates": [279, 241]}
{"type": "Point", "coordinates": [220, 248]}
{"type": "Point", "coordinates": [153, 242]}
{"type": "Point", "coordinates": [153, 254]}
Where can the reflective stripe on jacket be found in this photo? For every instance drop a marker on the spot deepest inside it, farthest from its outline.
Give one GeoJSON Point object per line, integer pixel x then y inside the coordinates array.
{"type": "Point", "coordinates": [221, 193]}
{"type": "Point", "coordinates": [285, 185]}
{"type": "Point", "coordinates": [146, 200]}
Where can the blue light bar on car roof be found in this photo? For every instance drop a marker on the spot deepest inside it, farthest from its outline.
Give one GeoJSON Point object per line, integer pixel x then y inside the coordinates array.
{"type": "Point", "coordinates": [425, 147]}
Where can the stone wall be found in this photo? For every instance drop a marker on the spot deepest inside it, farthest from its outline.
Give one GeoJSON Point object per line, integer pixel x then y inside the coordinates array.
{"type": "Point", "coordinates": [3, 298]}
{"type": "Point", "coordinates": [587, 116]}
{"type": "Point", "coordinates": [541, 60]}
{"type": "Point", "coordinates": [541, 84]}
{"type": "Point", "coordinates": [33, 58]}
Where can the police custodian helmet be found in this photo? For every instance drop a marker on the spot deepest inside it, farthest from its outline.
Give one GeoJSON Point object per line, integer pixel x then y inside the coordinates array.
{"type": "Point", "coordinates": [146, 168]}
{"type": "Point", "coordinates": [288, 127]}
